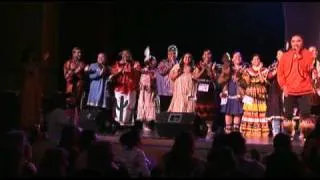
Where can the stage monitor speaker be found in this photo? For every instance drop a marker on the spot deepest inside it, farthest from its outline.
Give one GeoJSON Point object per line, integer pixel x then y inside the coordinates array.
{"type": "Point", "coordinates": [99, 121]}
{"type": "Point", "coordinates": [171, 124]}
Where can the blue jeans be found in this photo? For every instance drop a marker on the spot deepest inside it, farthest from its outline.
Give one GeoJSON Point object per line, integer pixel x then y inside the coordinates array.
{"type": "Point", "coordinates": [276, 126]}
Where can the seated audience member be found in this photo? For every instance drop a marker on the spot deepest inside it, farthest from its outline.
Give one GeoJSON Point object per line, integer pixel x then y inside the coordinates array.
{"type": "Point", "coordinates": [87, 138]}
{"type": "Point", "coordinates": [254, 153]}
{"type": "Point", "coordinates": [311, 157]}
{"type": "Point", "coordinates": [55, 118]}
{"type": "Point", "coordinates": [220, 140]}
{"type": "Point", "coordinates": [28, 167]}
{"type": "Point", "coordinates": [87, 173]}
{"type": "Point", "coordinates": [249, 167]}
{"type": "Point", "coordinates": [283, 162]}
{"type": "Point", "coordinates": [100, 162]}
{"type": "Point", "coordinates": [13, 154]}
{"type": "Point", "coordinates": [54, 163]}
{"type": "Point", "coordinates": [311, 151]}
{"type": "Point", "coordinates": [70, 142]}
{"type": "Point", "coordinates": [40, 143]}
{"type": "Point", "coordinates": [132, 157]}
{"type": "Point", "coordinates": [179, 161]}
{"type": "Point", "coordinates": [315, 134]}
{"type": "Point", "coordinates": [221, 162]}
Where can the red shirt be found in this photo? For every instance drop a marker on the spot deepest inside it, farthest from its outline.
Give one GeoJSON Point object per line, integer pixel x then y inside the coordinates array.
{"type": "Point", "coordinates": [128, 80]}
{"type": "Point", "coordinates": [294, 72]}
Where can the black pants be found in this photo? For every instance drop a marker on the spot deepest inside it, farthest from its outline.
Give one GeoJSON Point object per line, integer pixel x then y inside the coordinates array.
{"type": "Point", "coordinates": [165, 103]}
{"type": "Point", "coordinates": [101, 116]}
{"type": "Point", "coordinates": [303, 103]}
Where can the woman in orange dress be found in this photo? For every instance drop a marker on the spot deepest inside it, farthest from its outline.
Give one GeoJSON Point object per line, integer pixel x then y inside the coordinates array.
{"type": "Point", "coordinates": [30, 93]}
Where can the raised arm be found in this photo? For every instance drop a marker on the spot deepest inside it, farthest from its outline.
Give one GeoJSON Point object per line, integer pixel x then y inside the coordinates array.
{"type": "Point", "coordinates": [225, 75]}
{"type": "Point", "coordinates": [174, 72]}
{"type": "Point", "coordinates": [243, 78]}
{"type": "Point", "coordinates": [80, 69]}
{"type": "Point", "coordinates": [115, 71]}
{"type": "Point", "coordinates": [272, 74]}
{"type": "Point", "coordinates": [197, 73]}
{"type": "Point", "coordinates": [163, 68]}
{"type": "Point", "coordinates": [67, 72]}
{"type": "Point", "coordinates": [94, 73]}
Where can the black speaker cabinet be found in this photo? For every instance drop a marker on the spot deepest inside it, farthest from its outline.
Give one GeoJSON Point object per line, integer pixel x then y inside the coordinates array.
{"type": "Point", "coordinates": [88, 119]}
{"type": "Point", "coordinates": [98, 120]}
{"type": "Point", "coordinates": [171, 124]}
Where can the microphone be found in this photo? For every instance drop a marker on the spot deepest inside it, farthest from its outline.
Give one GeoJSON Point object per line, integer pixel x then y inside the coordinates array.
{"type": "Point", "coordinates": [295, 52]}
{"type": "Point", "coordinates": [295, 55]}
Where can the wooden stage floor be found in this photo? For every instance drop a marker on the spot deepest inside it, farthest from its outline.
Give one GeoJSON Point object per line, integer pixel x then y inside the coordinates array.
{"type": "Point", "coordinates": [155, 147]}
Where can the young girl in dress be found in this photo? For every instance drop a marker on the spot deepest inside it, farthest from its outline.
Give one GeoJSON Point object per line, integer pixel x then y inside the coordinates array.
{"type": "Point", "coordinates": [233, 90]}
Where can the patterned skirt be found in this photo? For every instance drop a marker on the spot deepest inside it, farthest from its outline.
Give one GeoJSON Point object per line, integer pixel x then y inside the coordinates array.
{"type": "Point", "coordinates": [254, 120]}
{"type": "Point", "coordinates": [205, 106]}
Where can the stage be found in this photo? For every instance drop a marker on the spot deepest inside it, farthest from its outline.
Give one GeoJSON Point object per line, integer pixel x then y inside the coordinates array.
{"type": "Point", "coordinates": [155, 147]}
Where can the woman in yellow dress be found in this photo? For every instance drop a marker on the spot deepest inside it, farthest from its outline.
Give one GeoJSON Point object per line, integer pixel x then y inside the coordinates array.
{"type": "Point", "coordinates": [254, 119]}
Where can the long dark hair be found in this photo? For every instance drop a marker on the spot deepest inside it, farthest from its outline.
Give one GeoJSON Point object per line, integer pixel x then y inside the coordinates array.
{"type": "Point", "coordinates": [181, 64]}
{"type": "Point", "coordinates": [179, 159]}
{"type": "Point", "coordinates": [130, 139]}
{"type": "Point", "coordinates": [183, 145]}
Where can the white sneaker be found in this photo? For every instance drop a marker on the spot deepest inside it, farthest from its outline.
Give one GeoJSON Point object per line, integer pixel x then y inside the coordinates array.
{"type": "Point", "coordinates": [146, 128]}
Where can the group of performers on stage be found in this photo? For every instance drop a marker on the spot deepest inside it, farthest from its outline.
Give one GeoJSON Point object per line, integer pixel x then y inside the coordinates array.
{"type": "Point", "coordinates": [250, 95]}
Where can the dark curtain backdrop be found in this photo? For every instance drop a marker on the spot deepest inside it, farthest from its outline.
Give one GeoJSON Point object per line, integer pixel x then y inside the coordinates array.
{"type": "Point", "coordinates": [20, 28]}
{"type": "Point", "coordinates": [303, 18]}
{"type": "Point", "coordinates": [249, 27]}
{"type": "Point", "coordinates": [110, 27]}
